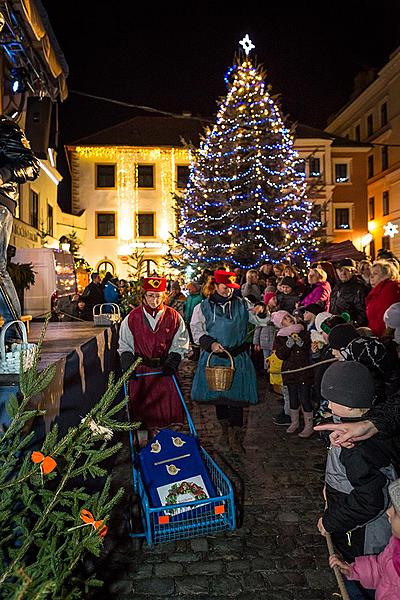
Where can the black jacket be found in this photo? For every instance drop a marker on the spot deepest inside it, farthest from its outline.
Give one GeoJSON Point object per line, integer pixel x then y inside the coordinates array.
{"type": "Point", "coordinates": [349, 296]}
{"type": "Point", "coordinates": [18, 164]}
{"type": "Point", "coordinates": [356, 490]}
{"type": "Point", "coordinates": [92, 294]}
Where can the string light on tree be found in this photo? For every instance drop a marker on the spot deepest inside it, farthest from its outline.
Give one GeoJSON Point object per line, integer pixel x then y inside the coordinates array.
{"type": "Point", "coordinates": [245, 180]}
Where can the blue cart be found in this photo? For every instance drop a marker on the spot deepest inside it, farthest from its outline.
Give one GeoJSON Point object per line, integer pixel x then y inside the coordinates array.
{"type": "Point", "coordinates": [204, 517]}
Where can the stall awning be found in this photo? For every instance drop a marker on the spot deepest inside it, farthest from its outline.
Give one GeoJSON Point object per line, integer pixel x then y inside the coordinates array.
{"type": "Point", "coordinates": [335, 252]}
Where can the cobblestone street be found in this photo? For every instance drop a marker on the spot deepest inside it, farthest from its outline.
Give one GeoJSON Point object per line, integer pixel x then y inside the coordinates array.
{"type": "Point", "coordinates": [275, 554]}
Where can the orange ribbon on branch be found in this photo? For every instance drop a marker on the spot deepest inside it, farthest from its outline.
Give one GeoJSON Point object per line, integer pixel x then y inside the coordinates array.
{"type": "Point", "coordinates": [89, 519]}
{"type": "Point", "coordinates": [47, 464]}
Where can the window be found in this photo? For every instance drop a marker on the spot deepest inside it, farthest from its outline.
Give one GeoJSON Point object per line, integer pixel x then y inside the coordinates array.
{"type": "Point", "coordinates": [34, 209]}
{"type": "Point", "coordinates": [342, 173]}
{"type": "Point", "coordinates": [384, 114]}
{"type": "Point", "coordinates": [385, 203]}
{"type": "Point", "coordinates": [370, 125]}
{"type": "Point", "coordinates": [371, 208]}
{"type": "Point", "coordinates": [50, 222]}
{"type": "Point", "coordinates": [386, 242]}
{"type": "Point", "coordinates": [314, 165]}
{"type": "Point", "coordinates": [105, 224]}
{"type": "Point", "coordinates": [145, 224]}
{"type": "Point", "coordinates": [357, 133]}
{"type": "Point", "coordinates": [342, 218]}
{"type": "Point", "coordinates": [370, 166]}
{"type": "Point", "coordinates": [182, 176]}
{"type": "Point", "coordinates": [145, 176]}
{"type": "Point", "coordinates": [105, 176]}
{"type": "Point", "coordinates": [372, 249]}
{"type": "Point", "coordinates": [300, 166]}
{"type": "Point", "coordinates": [385, 157]}
{"type": "Point", "coordinates": [106, 265]}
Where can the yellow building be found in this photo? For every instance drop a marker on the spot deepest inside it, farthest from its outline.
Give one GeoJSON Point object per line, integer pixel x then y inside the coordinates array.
{"type": "Point", "coordinates": [124, 178]}
{"type": "Point", "coordinates": [373, 116]}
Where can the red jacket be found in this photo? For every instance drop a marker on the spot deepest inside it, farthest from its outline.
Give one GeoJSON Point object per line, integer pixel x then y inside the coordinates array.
{"type": "Point", "coordinates": [383, 295]}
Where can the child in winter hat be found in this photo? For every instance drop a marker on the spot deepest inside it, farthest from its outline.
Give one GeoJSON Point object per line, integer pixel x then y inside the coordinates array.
{"type": "Point", "coordinates": [356, 500]}
{"type": "Point", "coordinates": [382, 572]}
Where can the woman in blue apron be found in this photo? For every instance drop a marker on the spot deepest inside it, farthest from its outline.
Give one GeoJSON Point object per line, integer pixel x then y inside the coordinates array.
{"type": "Point", "coordinates": [219, 323]}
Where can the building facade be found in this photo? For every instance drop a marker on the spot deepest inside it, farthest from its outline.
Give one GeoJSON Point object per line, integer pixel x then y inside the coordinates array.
{"type": "Point", "coordinates": [373, 116]}
{"type": "Point", "coordinates": [124, 179]}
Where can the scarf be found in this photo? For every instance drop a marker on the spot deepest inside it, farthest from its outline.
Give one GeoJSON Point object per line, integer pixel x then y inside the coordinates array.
{"type": "Point", "coordinates": [396, 555]}
{"type": "Point", "coordinates": [152, 311]}
{"type": "Point", "coordinates": [286, 331]}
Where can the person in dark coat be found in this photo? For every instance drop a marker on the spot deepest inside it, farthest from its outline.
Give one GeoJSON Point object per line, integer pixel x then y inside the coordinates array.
{"type": "Point", "coordinates": [348, 295]}
{"type": "Point", "coordinates": [92, 294]}
{"type": "Point", "coordinates": [356, 479]}
{"type": "Point", "coordinates": [293, 347]}
{"type": "Point", "coordinates": [288, 296]}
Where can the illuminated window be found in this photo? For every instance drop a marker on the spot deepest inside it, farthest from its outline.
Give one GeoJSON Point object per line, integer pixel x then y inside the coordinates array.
{"type": "Point", "coordinates": [145, 174]}
{"type": "Point", "coordinates": [105, 224]}
{"type": "Point", "coordinates": [146, 224]}
{"type": "Point", "coordinates": [105, 176]}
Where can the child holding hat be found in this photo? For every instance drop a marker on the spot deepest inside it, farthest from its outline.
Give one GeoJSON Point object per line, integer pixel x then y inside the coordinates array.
{"type": "Point", "coordinates": [382, 572]}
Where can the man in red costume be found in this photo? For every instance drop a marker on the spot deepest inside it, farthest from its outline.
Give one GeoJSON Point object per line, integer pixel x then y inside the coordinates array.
{"type": "Point", "coordinates": [157, 333]}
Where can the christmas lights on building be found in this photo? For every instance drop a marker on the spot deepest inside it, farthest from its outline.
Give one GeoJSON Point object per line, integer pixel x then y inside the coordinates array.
{"type": "Point", "coordinates": [245, 202]}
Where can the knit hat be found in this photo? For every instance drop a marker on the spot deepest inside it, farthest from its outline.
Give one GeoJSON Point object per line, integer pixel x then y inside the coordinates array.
{"type": "Point", "coordinates": [394, 493]}
{"type": "Point", "coordinates": [319, 319]}
{"type": "Point", "coordinates": [348, 383]}
{"type": "Point", "coordinates": [348, 263]}
{"type": "Point", "coordinates": [328, 324]}
{"type": "Point", "coordinates": [289, 281]}
{"type": "Point", "coordinates": [368, 351]}
{"type": "Point", "coordinates": [268, 296]}
{"type": "Point", "coordinates": [392, 316]}
{"type": "Point", "coordinates": [313, 308]}
{"type": "Point", "coordinates": [277, 317]}
{"type": "Point", "coordinates": [341, 335]}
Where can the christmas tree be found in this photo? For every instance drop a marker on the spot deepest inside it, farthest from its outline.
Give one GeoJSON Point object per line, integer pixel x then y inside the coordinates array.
{"type": "Point", "coordinates": [48, 519]}
{"type": "Point", "coordinates": [246, 200]}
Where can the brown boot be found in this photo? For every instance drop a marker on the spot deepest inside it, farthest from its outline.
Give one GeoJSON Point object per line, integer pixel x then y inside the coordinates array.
{"type": "Point", "coordinates": [235, 439]}
{"type": "Point", "coordinates": [308, 425]}
{"type": "Point", "coordinates": [223, 439]}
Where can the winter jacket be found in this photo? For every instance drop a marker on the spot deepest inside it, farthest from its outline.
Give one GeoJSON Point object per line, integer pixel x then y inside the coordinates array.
{"type": "Point", "coordinates": [383, 295]}
{"type": "Point", "coordinates": [378, 572]}
{"type": "Point", "coordinates": [287, 301]}
{"type": "Point", "coordinates": [92, 295]}
{"type": "Point", "coordinates": [265, 336]}
{"type": "Point", "coordinates": [356, 482]}
{"type": "Point", "coordinates": [319, 293]}
{"type": "Point", "coordinates": [349, 296]}
{"type": "Point", "coordinates": [18, 164]}
{"type": "Point", "coordinates": [251, 289]}
{"type": "Point", "coordinates": [111, 292]}
{"type": "Point", "coordinates": [294, 350]}
{"type": "Point", "coordinates": [191, 301]}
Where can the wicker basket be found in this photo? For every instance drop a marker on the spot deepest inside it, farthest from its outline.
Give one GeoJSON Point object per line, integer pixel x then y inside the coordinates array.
{"type": "Point", "coordinates": [219, 378]}
{"type": "Point", "coordinates": [10, 361]}
{"type": "Point", "coordinates": [105, 319]}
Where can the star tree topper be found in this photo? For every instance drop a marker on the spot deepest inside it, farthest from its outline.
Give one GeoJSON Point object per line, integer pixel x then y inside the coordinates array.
{"type": "Point", "coordinates": [247, 44]}
{"type": "Point", "coordinates": [391, 229]}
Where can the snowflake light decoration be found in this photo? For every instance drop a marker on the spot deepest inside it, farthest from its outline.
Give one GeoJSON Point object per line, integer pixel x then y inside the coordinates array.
{"type": "Point", "coordinates": [247, 44]}
{"type": "Point", "coordinates": [391, 229]}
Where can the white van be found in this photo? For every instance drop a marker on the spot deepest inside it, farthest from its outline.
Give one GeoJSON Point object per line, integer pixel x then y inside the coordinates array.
{"type": "Point", "coordinates": [55, 279]}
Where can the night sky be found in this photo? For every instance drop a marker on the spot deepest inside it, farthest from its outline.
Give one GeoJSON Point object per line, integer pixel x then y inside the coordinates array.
{"type": "Point", "coordinates": [175, 58]}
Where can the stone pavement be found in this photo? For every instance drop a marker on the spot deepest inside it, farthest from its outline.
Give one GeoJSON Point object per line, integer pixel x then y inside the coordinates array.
{"type": "Point", "coordinates": [276, 553]}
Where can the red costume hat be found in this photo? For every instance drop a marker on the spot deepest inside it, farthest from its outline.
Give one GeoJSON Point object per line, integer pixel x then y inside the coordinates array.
{"type": "Point", "coordinates": [227, 278]}
{"type": "Point", "coordinates": [154, 284]}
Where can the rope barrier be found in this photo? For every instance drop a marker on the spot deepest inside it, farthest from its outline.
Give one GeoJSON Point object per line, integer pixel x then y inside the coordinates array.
{"type": "Point", "coordinates": [336, 570]}
{"type": "Point", "coordinates": [322, 362]}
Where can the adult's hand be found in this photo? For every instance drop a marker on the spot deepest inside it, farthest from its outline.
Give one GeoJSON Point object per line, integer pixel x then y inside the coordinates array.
{"type": "Point", "coordinates": [347, 434]}
{"type": "Point", "coordinates": [257, 347]}
{"type": "Point", "coordinates": [216, 347]}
